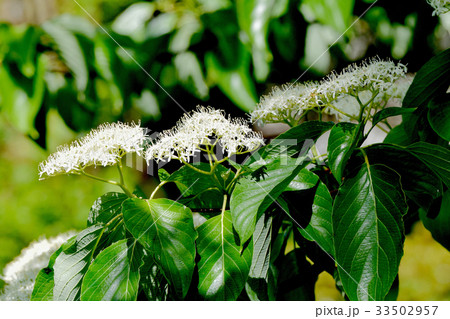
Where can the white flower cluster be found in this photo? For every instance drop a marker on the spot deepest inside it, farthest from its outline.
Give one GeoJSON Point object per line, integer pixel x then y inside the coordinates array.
{"type": "Point", "coordinates": [372, 77]}
{"type": "Point", "coordinates": [102, 146]}
{"type": "Point", "coordinates": [440, 6]}
{"type": "Point", "coordinates": [20, 274]}
{"type": "Point", "coordinates": [199, 128]}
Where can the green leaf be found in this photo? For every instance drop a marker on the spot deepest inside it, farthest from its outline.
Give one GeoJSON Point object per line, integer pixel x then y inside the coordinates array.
{"type": "Point", "coordinates": [440, 225]}
{"type": "Point", "coordinates": [166, 229]}
{"type": "Point", "coordinates": [153, 282]}
{"type": "Point", "coordinates": [439, 116]}
{"type": "Point", "coordinates": [44, 283]}
{"type": "Point", "coordinates": [190, 182]}
{"type": "Point", "coordinates": [21, 98]}
{"type": "Point", "coordinates": [114, 274]}
{"type": "Point", "coordinates": [337, 14]}
{"type": "Point", "coordinates": [369, 232]}
{"type": "Point", "coordinates": [72, 263]}
{"type": "Point", "coordinates": [433, 77]}
{"type": "Point", "coordinates": [223, 268]}
{"type": "Point", "coordinates": [200, 190]}
{"type": "Point", "coordinates": [436, 157]}
{"type": "Point", "coordinates": [257, 285]}
{"type": "Point", "coordinates": [320, 227]}
{"type": "Point", "coordinates": [236, 83]}
{"type": "Point", "coordinates": [388, 112]}
{"type": "Point", "coordinates": [418, 181]}
{"type": "Point", "coordinates": [296, 278]}
{"type": "Point", "coordinates": [71, 52]}
{"type": "Point", "coordinates": [254, 193]}
{"type": "Point", "coordinates": [254, 17]}
{"type": "Point", "coordinates": [340, 147]}
{"type": "Point", "coordinates": [103, 211]}
{"type": "Point", "coordinates": [292, 140]}
{"type": "Point", "coordinates": [190, 74]}
{"type": "Point", "coordinates": [305, 179]}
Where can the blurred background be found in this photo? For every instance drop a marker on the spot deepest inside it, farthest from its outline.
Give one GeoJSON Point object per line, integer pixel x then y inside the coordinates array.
{"type": "Point", "coordinates": [67, 66]}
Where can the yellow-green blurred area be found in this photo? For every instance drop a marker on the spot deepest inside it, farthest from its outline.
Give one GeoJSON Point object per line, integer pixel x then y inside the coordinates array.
{"type": "Point", "coordinates": [61, 75]}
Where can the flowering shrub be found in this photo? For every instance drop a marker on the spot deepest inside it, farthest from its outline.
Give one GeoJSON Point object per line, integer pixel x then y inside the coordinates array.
{"type": "Point", "coordinates": [226, 236]}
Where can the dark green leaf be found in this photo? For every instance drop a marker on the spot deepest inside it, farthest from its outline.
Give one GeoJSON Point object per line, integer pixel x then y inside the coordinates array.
{"type": "Point", "coordinates": [320, 227]}
{"type": "Point", "coordinates": [255, 193]}
{"type": "Point", "coordinates": [114, 274]}
{"type": "Point", "coordinates": [340, 147]}
{"type": "Point", "coordinates": [296, 278]}
{"type": "Point", "coordinates": [292, 141]}
{"type": "Point", "coordinates": [440, 225]}
{"type": "Point", "coordinates": [388, 112]}
{"type": "Point", "coordinates": [223, 268]}
{"type": "Point", "coordinates": [257, 285]}
{"type": "Point", "coordinates": [436, 157]}
{"type": "Point", "coordinates": [72, 263]}
{"type": "Point", "coordinates": [418, 181]}
{"type": "Point", "coordinates": [166, 229]}
{"type": "Point", "coordinates": [439, 116]}
{"type": "Point", "coordinates": [368, 231]}
{"type": "Point", "coordinates": [431, 78]}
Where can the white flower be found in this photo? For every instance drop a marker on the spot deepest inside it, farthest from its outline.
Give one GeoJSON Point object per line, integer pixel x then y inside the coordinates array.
{"type": "Point", "coordinates": [102, 146]}
{"type": "Point", "coordinates": [440, 6]}
{"type": "Point", "coordinates": [199, 128]}
{"type": "Point", "coordinates": [20, 274]}
{"type": "Point", "coordinates": [284, 103]}
{"type": "Point", "coordinates": [334, 95]}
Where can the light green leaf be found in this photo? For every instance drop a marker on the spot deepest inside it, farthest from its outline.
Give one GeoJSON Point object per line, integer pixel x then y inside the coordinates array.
{"type": "Point", "coordinates": [72, 263]}
{"type": "Point", "coordinates": [114, 274]}
{"type": "Point", "coordinates": [337, 14]}
{"type": "Point", "coordinates": [71, 52]}
{"type": "Point", "coordinates": [166, 229]}
{"type": "Point", "coordinates": [44, 283]}
{"type": "Point", "coordinates": [21, 99]}
{"type": "Point", "coordinates": [223, 268]}
{"type": "Point", "coordinates": [369, 232]}
{"type": "Point", "coordinates": [190, 74]}
{"type": "Point", "coordinates": [253, 18]}
{"type": "Point", "coordinates": [236, 83]}
{"type": "Point", "coordinates": [340, 147]}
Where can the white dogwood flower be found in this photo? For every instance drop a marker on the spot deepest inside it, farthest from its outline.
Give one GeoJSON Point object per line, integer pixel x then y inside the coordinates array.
{"type": "Point", "coordinates": [200, 128]}
{"type": "Point", "coordinates": [333, 95]}
{"type": "Point", "coordinates": [440, 6]}
{"type": "Point", "coordinates": [102, 146]}
{"type": "Point", "coordinates": [19, 275]}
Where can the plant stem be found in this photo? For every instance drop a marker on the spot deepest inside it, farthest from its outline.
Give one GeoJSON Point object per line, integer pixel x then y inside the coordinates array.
{"type": "Point", "coordinates": [157, 188]}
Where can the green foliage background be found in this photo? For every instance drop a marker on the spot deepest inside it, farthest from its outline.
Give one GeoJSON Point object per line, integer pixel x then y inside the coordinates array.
{"type": "Point", "coordinates": [196, 50]}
